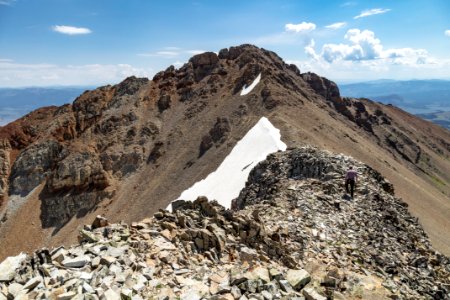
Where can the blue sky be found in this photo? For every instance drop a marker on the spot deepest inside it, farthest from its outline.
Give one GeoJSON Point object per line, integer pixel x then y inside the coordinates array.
{"type": "Point", "coordinates": [85, 42]}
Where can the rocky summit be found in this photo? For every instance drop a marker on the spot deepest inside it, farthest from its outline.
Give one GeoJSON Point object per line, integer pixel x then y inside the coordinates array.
{"type": "Point", "coordinates": [294, 234]}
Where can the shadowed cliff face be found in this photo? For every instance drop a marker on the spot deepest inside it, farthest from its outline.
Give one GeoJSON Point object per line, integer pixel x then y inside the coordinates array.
{"type": "Point", "coordinates": [128, 150]}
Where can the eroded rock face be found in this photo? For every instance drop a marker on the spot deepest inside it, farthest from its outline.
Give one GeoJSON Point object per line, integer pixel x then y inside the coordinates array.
{"type": "Point", "coordinates": [33, 165]}
{"type": "Point", "coordinates": [78, 171]}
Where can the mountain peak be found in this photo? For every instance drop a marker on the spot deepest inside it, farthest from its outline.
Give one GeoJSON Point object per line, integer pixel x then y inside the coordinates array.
{"type": "Point", "coordinates": [130, 149]}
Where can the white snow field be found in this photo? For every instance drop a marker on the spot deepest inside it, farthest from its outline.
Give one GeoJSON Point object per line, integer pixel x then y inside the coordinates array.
{"type": "Point", "coordinates": [248, 89]}
{"type": "Point", "coordinates": [226, 182]}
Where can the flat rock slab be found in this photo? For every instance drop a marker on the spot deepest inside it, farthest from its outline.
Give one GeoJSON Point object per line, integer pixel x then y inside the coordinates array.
{"type": "Point", "coordinates": [77, 262]}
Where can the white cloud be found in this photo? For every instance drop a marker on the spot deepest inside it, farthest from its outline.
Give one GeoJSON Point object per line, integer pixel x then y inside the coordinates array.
{"type": "Point", "coordinates": [351, 71]}
{"type": "Point", "coordinates": [2, 60]}
{"type": "Point", "coordinates": [167, 53]}
{"type": "Point", "coordinates": [363, 56]}
{"type": "Point", "coordinates": [336, 25]}
{"type": "Point", "coordinates": [71, 30]}
{"type": "Point", "coordinates": [309, 50]}
{"type": "Point", "coordinates": [371, 12]}
{"type": "Point", "coordinates": [195, 52]}
{"type": "Point", "coordinates": [16, 74]}
{"type": "Point", "coordinates": [364, 46]}
{"type": "Point", "coordinates": [447, 32]}
{"type": "Point", "coordinates": [300, 28]}
{"type": "Point", "coordinates": [171, 52]}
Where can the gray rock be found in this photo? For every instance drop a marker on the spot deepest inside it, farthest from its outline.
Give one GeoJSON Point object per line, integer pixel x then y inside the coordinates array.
{"type": "Point", "coordinates": [14, 289]}
{"type": "Point", "coordinates": [298, 278]}
{"type": "Point", "coordinates": [110, 295]}
{"type": "Point", "coordinates": [267, 295]}
{"type": "Point", "coordinates": [236, 292]}
{"type": "Point", "coordinates": [77, 262]}
{"type": "Point", "coordinates": [32, 283]}
{"type": "Point", "coordinates": [311, 294]}
{"type": "Point", "coordinates": [66, 296]}
{"type": "Point", "coordinates": [248, 254]}
{"type": "Point", "coordinates": [286, 286]}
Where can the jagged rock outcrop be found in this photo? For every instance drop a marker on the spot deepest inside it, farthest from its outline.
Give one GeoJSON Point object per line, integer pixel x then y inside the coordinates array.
{"type": "Point", "coordinates": [203, 64]}
{"type": "Point", "coordinates": [301, 238]}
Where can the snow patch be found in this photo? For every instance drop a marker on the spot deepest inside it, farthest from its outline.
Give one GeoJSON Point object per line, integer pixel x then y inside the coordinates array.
{"type": "Point", "coordinates": [229, 179]}
{"type": "Point", "coordinates": [248, 89]}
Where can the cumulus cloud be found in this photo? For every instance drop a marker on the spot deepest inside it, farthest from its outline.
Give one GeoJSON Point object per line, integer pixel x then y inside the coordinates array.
{"type": "Point", "coordinates": [15, 74]}
{"type": "Point", "coordinates": [371, 12]}
{"type": "Point", "coordinates": [336, 25]}
{"type": "Point", "coordinates": [364, 46]}
{"type": "Point", "coordinates": [71, 30]}
{"type": "Point", "coordinates": [302, 27]}
{"type": "Point", "coordinates": [344, 70]}
{"type": "Point", "coordinates": [309, 50]}
{"type": "Point", "coordinates": [447, 32]}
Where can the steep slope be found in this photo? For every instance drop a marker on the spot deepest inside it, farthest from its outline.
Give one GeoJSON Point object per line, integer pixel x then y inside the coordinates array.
{"type": "Point", "coordinates": [295, 235]}
{"type": "Point", "coordinates": [127, 150]}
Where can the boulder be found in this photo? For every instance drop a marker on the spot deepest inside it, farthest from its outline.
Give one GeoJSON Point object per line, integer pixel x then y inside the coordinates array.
{"type": "Point", "coordinates": [298, 278]}
{"type": "Point", "coordinates": [9, 265]}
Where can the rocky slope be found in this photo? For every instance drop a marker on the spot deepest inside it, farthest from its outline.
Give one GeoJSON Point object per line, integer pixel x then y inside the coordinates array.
{"type": "Point", "coordinates": [296, 236]}
{"type": "Point", "coordinates": [127, 150]}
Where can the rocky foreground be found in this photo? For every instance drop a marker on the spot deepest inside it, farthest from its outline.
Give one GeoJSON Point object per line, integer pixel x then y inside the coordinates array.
{"type": "Point", "coordinates": [296, 235]}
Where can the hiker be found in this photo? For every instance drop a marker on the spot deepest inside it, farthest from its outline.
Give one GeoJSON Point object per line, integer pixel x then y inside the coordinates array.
{"type": "Point", "coordinates": [350, 179]}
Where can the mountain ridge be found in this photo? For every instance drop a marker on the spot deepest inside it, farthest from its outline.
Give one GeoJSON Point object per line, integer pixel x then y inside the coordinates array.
{"type": "Point", "coordinates": [129, 149]}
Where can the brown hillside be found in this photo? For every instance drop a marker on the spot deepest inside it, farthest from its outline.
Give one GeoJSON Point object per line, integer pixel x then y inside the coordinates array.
{"type": "Point", "coordinates": [127, 150]}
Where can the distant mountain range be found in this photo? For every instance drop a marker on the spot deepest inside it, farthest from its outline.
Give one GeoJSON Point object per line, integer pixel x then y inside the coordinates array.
{"type": "Point", "coordinates": [429, 99]}
{"type": "Point", "coordinates": [409, 95]}
{"type": "Point", "coordinates": [16, 102]}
